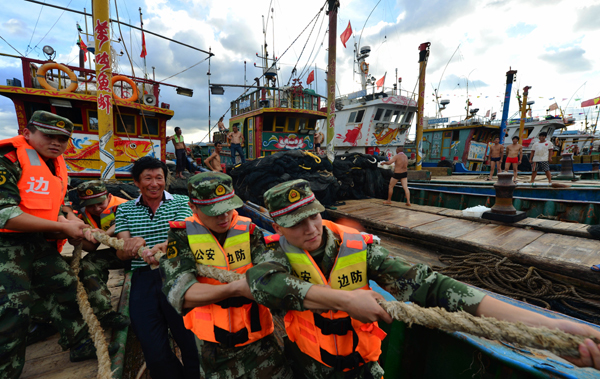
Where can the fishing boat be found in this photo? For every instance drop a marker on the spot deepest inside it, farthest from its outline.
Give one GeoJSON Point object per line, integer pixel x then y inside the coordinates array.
{"type": "Point", "coordinates": [139, 118]}
{"type": "Point", "coordinates": [372, 121]}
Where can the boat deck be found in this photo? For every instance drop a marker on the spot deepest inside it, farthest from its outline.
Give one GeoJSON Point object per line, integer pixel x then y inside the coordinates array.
{"type": "Point", "coordinates": [46, 359]}
{"type": "Point", "coordinates": [523, 180]}
{"type": "Point", "coordinates": [558, 247]}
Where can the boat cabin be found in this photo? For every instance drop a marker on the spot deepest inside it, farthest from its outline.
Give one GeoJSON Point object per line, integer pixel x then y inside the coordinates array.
{"type": "Point", "coordinates": [139, 123]}
{"type": "Point", "coordinates": [277, 119]}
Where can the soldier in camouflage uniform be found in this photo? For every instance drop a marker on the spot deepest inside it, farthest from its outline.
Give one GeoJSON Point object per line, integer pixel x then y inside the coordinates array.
{"type": "Point", "coordinates": [98, 209]}
{"type": "Point", "coordinates": [233, 333]}
{"type": "Point", "coordinates": [33, 182]}
{"type": "Point", "coordinates": [309, 249]}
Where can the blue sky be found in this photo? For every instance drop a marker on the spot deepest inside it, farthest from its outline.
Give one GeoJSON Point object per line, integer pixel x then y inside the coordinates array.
{"type": "Point", "coordinates": [552, 44]}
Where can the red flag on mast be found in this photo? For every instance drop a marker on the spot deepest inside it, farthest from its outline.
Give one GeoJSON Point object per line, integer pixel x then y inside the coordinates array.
{"type": "Point", "coordinates": [144, 52]}
{"type": "Point", "coordinates": [83, 47]}
{"type": "Point", "coordinates": [311, 77]}
{"type": "Point", "coordinates": [381, 81]}
{"type": "Point", "coordinates": [346, 34]}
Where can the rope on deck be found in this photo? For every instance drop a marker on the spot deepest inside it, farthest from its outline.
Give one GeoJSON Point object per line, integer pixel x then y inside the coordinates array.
{"type": "Point", "coordinates": [505, 277]}
{"type": "Point", "coordinates": [95, 329]}
{"type": "Point", "coordinates": [556, 341]}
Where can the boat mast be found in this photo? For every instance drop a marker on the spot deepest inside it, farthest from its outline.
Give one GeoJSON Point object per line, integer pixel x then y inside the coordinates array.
{"type": "Point", "coordinates": [510, 78]}
{"type": "Point", "coordinates": [104, 92]}
{"type": "Point", "coordinates": [523, 112]}
{"type": "Point", "coordinates": [331, 62]}
{"type": "Point", "coordinates": [423, 56]}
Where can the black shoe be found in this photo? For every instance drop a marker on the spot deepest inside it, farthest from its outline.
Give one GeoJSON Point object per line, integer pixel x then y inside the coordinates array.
{"type": "Point", "coordinates": [39, 332]}
{"type": "Point", "coordinates": [86, 350]}
{"type": "Point", "coordinates": [115, 320]}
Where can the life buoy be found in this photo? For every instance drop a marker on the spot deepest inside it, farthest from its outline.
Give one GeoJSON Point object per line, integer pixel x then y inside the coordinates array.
{"type": "Point", "coordinates": [41, 77]}
{"type": "Point", "coordinates": [121, 78]}
{"type": "Point", "coordinates": [364, 67]}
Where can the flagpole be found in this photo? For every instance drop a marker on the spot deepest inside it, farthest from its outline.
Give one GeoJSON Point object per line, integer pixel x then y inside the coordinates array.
{"type": "Point", "coordinates": [104, 98]}
{"type": "Point", "coordinates": [331, 62]}
{"type": "Point", "coordinates": [142, 27]}
{"type": "Point", "coordinates": [89, 58]}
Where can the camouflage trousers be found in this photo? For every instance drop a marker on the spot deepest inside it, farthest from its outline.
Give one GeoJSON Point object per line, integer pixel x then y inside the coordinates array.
{"type": "Point", "coordinates": [29, 263]}
{"type": "Point", "coordinates": [261, 359]}
{"type": "Point", "coordinates": [94, 277]}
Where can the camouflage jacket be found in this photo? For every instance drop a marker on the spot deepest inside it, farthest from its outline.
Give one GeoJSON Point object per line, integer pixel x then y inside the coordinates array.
{"type": "Point", "coordinates": [273, 285]}
{"type": "Point", "coordinates": [179, 273]}
{"type": "Point", "coordinates": [10, 173]}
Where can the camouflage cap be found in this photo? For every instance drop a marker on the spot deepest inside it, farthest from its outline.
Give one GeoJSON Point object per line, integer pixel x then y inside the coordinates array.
{"type": "Point", "coordinates": [92, 192]}
{"type": "Point", "coordinates": [50, 123]}
{"type": "Point", "coordinates": [213, 193]}
{"type": "Point", "coordinates": [291, 202]}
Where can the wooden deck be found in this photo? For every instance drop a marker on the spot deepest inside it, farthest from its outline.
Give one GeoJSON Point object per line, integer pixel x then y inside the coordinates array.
{"type": "Point", "coordinates": [46, 359]}
{"type": "Point", "coordinates": [540, 243]}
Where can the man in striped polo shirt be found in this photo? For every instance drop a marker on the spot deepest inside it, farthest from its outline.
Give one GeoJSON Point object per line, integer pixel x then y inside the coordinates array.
{"type": "Point", "coordinates": [145, 222]}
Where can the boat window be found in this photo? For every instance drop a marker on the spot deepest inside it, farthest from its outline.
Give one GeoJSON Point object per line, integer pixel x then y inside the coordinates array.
{"type": "Point", "coordinates": [93, 120]}
{"type": "Point", "coordinates": [279, 124]}
{"type": "Point", "coordinates": [291, 125]}
{"type": "Point", "coordinates": [268, 123]}
{"type": "Point", "coordinates": [409, 117]}
{"type": "Point", "coordinates": [126, 125]}
{"type": "Point", "coordinates": [388, 115]}
{"type": "Point", "coordinates": [150, 127]}
{"type": "Point", "coordinates": [73, 114]}
{"type": "Point", "coordinates": [302, 124]}
{"type": "Point", "coordinates": [359, 116]}
{"type": "Point", "coordinates": [352, 117]}
{"type": "Point", "coordinates": [311, 124]}
{"type": "Point", "coordinates": [38, 107]}
{"type": "Point", "coordinates": [395, 117]}
{"type": "Point", "coordinates": [455, 135]}
{"type": "Point", "coordinates": [378, 114]}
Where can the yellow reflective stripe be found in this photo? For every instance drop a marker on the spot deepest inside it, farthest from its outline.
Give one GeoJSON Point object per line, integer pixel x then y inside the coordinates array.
{"type": "Point", "coordinates": [236, 240]}
{"type": "Point", "coordinates": [200, 238]}
{"type": "Point", "coordinates": [351, 259]}
{"type": "Point", "coordinates": [300, 259]}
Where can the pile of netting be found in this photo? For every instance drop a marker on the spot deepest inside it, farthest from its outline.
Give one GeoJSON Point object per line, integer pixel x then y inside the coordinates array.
{"type": "Point", "coordinates": [527, 284]}
{"type": "Point", "coordinates": [253, 178]}
{"type": "Point", "coordinates": [352, 176]}
{"type": "Point", "coordinates": [360, 177]}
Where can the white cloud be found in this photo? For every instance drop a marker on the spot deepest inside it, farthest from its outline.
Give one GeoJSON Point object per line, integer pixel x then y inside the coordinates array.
{"type": "Point", "coordinates": [550, 43]}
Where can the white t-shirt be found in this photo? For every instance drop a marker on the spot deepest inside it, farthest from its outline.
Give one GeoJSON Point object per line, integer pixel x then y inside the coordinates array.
{"type": "Point", "coordinates": [541, 151]}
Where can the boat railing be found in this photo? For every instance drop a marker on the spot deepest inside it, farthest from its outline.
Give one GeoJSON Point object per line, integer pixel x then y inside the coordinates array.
{"type": "Point", "coordinates": [86, 79]}
{"type": "Point", "coordinates": [460, 121]}
{"type": "Point", "coordinates": [268, 97]}
{"type": "Point", "coordinates": [366, 95]}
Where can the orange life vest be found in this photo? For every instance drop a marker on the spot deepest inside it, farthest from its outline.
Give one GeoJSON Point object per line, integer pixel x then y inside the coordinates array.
{"type": "Point", "coordinates": [106, 217]}
{"type": "Point", "coordinates": [236, 321]}
{"type": "Point", "coordinates": [41, 192]}
{"type": "Point", "coordinates": [334, 338]}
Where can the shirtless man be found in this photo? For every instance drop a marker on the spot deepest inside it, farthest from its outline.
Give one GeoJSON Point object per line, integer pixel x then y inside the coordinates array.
{"type": "Point", "coordinates": [514, 156]}
{"type": "Point", "coordinates": [319, 138]}
{"type": "Point", "coordinates": [400, 162]}
{"type": "Point", "coordinates": [236, 141]}
{"type": "Point", "coordinates": [496, 155]}
{"type": "Point", "coordinates": [214, 161]}
{"type": "Point", "coordinates": [221, 125]}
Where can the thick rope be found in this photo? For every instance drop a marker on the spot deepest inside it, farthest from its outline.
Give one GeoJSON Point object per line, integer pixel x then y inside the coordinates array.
{"type": "Point", "coordinates": [95, 329]}
{"type": "Point", "coordinates": [553, 340]}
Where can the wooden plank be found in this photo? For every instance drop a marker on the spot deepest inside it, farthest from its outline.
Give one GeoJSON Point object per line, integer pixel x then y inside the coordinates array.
{"type": "Point", "coordinates": [449, 227]}
{"type": "Point", "coordinates": [500, 236]}
{"type": "Point", "coordinates": [574, 250]}
{"type": "Point", "coordinates": [411, 219]}
{"type": "Point", "coordinates": [451, 213]}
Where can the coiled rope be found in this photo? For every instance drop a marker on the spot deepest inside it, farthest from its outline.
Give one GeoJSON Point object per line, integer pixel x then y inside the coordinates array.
{"type": "Point", "coordinates": [502, 276]}
{"type": "Point", "coordinates": [556, 341]}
